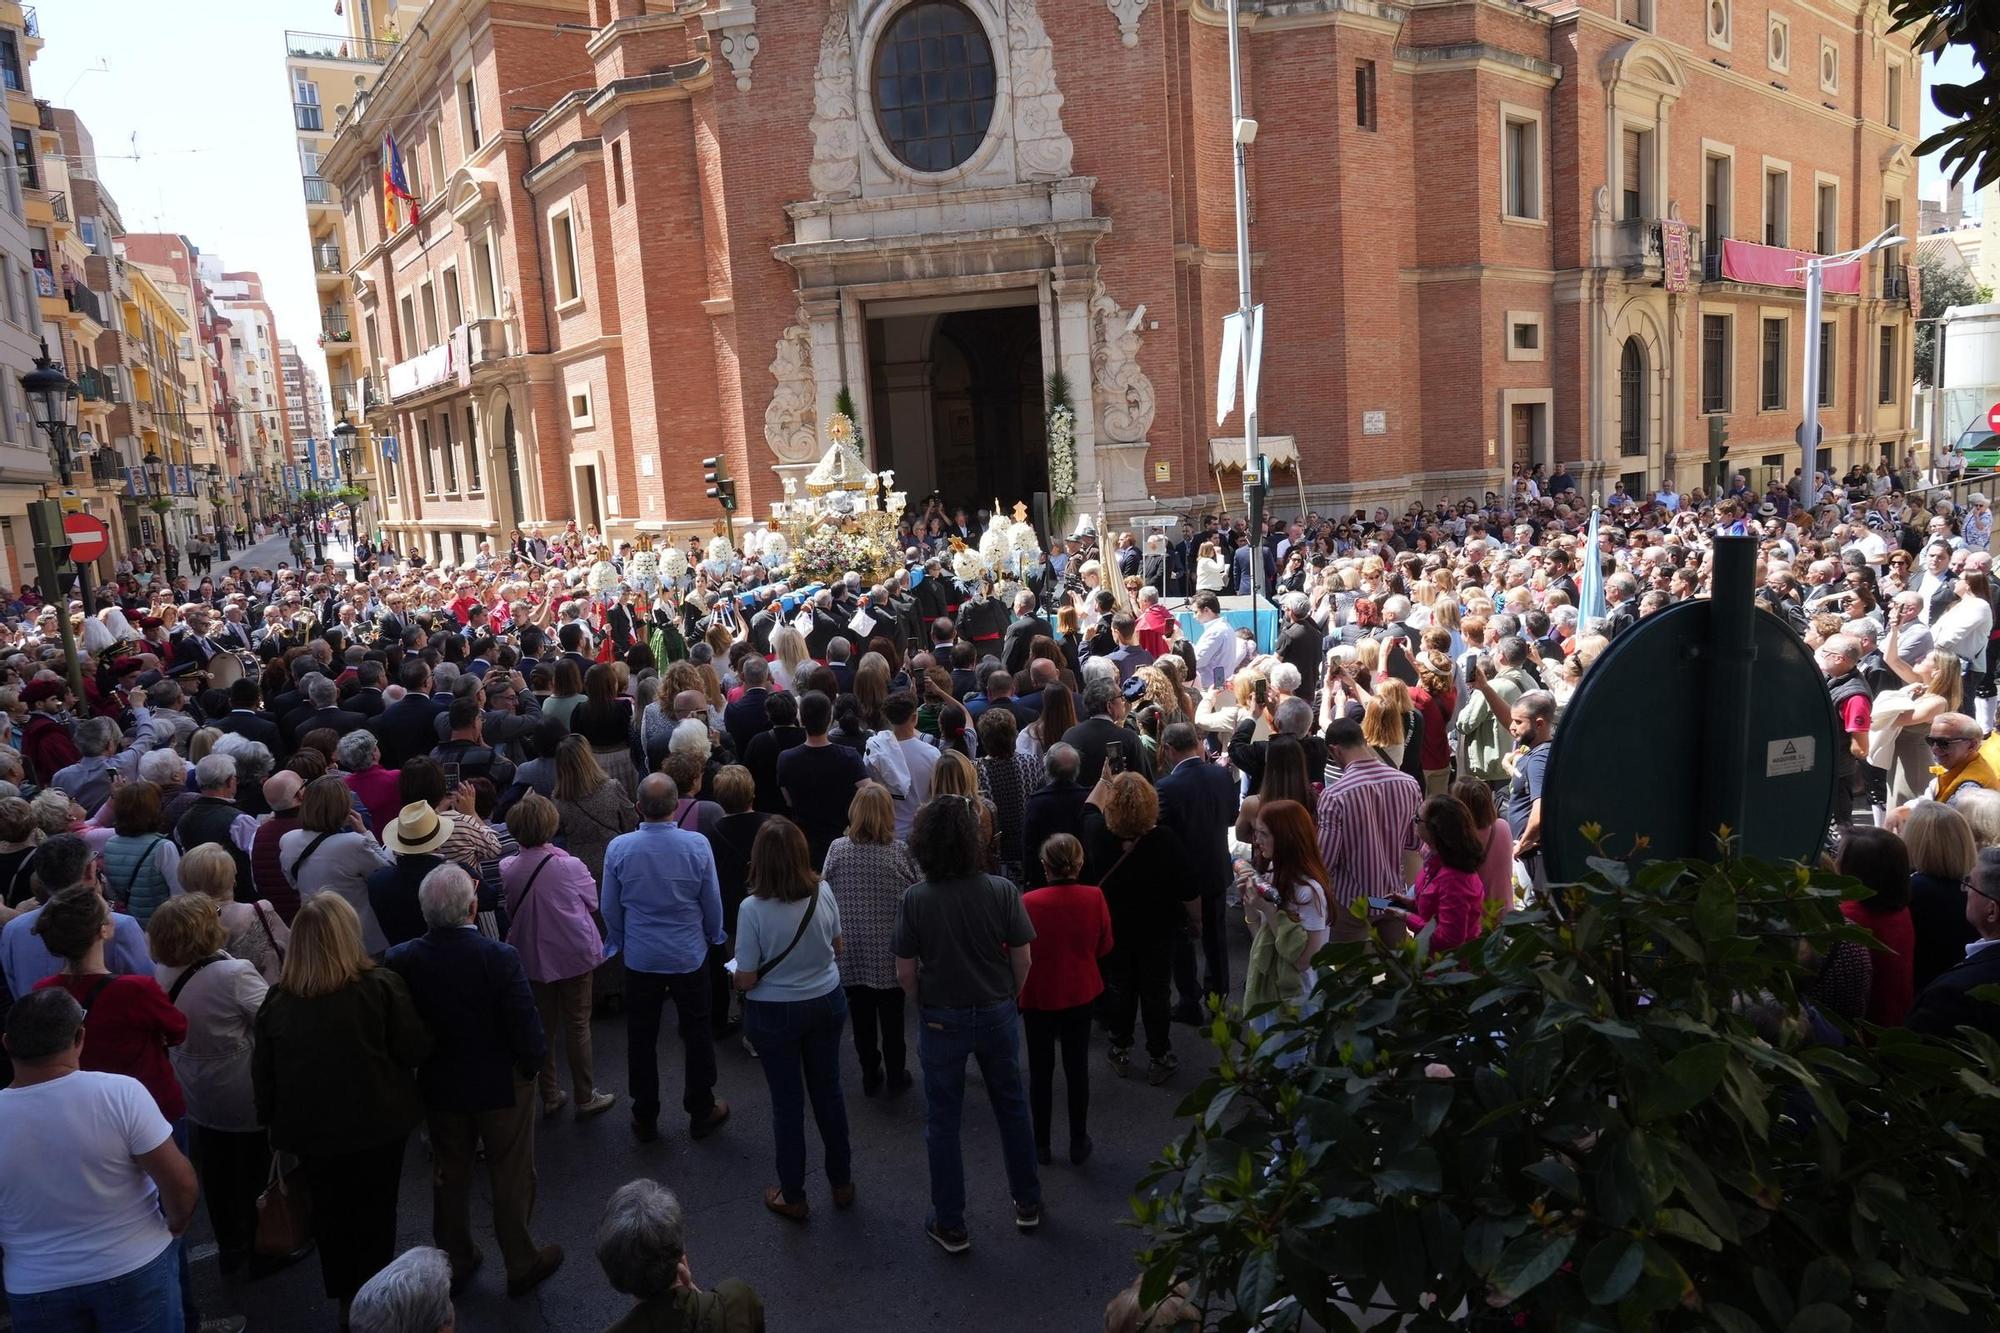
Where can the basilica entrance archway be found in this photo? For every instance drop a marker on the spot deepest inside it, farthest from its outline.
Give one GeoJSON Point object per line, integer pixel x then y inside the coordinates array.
{"type": "Point", "coordinates": [956, 402]}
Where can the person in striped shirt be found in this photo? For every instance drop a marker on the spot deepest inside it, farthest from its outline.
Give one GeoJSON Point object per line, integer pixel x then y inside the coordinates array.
{"type": "Point", "coordinates": [1367, 827]}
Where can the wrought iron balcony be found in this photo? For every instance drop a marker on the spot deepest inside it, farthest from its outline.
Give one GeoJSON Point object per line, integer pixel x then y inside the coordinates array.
{"type": "Point", "coordinates": [326, 259]}
{"type": "Point", "coordinates": [31, 22]}
{"type": "Point", "coordinates": [1895, 282]}
{"type": "Point", "coordinates": [339, 46]}
{"type": "Point", "coordinates": [318, 191]}
{"type": "Point", "coordinates": [84, 301]}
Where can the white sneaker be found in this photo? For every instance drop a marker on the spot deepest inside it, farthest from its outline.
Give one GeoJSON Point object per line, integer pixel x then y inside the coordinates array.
{"type": "Point", "coordinates": [599, 1103]}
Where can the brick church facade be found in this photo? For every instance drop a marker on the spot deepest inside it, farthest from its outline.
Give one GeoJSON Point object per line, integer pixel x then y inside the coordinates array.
{"type": "Point", "coordinates": [1484, 232]}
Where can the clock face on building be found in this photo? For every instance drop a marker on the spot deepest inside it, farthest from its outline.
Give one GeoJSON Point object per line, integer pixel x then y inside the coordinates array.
{"type": "Point", "coordinates": [934, 85]}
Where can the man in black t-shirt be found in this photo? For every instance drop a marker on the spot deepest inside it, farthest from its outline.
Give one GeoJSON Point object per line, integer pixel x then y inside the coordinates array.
{"type": "Point", "coordinates": [818, 778]}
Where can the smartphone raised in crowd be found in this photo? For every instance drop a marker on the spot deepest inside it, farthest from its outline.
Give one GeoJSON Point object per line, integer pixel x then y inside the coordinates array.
{"type": "Point", "coordinates": [1262, 690]}
{"type": "Point", "coordinates": [451, 775]}
{"type": "Point", "coordinates": [1114, 756]}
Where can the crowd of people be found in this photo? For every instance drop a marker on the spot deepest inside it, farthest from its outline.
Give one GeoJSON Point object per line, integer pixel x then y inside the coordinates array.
{"type": "Point", "coordinates": [326, 855]}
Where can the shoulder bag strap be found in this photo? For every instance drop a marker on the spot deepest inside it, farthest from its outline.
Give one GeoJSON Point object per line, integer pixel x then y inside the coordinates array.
{"type": "Point", "coordinates": [529, 887]}
{"type": "Point", "coordinates": [257, 909]}
{"type": "Point", "coordinates": [812, 906]}
{"type": "Point", "coordinates": [311, 847]}
{"type": "Point", "coordinates": [132, 880]}
{"type": "Point", "coordinates": [97, 990]}
{"type": "Point", "coordinates": [180, 982]}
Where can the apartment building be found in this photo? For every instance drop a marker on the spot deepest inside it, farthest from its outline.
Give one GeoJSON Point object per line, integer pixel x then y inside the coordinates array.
{"type": "Point", "coordinates": [249, 347]}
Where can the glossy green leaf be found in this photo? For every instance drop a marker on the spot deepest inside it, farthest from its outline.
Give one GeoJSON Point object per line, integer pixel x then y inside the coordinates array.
{"type": "Point", "coordinates": [1610, 1269]}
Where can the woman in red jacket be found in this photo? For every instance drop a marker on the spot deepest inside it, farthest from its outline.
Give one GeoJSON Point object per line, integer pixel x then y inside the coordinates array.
{"type": "Point", "coordinates": [1879, 860]}
{"type": "Point", "coordinates": [128, 1021]}
{"type": "Point", "coordinates": [1072, 932]}
{"type": "Point", "coordinates": [1449, 890]}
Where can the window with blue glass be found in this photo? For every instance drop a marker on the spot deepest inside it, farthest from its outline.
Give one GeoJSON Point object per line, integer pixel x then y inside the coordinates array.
{"type": "Point", "coordinates": [934, 84]}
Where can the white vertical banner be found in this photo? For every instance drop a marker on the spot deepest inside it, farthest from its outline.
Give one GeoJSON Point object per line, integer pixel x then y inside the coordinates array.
{"type": "Point", "coordinates": [1256, 359]}
{"type": "Point", "coordinates": [1226, 373]}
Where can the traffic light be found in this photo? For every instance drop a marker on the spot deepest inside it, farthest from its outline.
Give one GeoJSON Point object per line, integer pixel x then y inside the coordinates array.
{"type": "Point", "coordinates": [721, 489]}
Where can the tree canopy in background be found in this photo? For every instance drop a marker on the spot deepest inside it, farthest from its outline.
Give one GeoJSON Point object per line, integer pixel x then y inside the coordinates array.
{"type": "Point", "coordinates": [1944, 286]}
{"type": "Point", "coordinates": [1970, 145]}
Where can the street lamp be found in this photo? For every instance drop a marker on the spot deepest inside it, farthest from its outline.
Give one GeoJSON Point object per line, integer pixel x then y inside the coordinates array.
{"type": "Point", "coordinates": [1808, 434]}
{"type": "Point", "coordinates": [53, 396]}
{"type": "Point", "coordinates": [343, 452]}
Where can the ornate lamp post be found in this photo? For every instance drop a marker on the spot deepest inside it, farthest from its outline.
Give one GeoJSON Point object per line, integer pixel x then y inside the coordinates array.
{"type": "Point", "coordinates": [343, 447]}
{"type": "Point", "coordinates": [53, 396]}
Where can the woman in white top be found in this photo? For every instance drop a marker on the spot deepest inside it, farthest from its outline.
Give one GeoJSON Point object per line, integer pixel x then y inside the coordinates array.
{"type": "Point", "coordinates": [220, 996]}
{"type": "Point", "coordinates": [1211, 571]}
{"type": "Point", "coordinates": [789, 658]}
{"type": "Point", "coordinates": [332, 852]}
{"type": "Point", "coordinates": [787, 951]}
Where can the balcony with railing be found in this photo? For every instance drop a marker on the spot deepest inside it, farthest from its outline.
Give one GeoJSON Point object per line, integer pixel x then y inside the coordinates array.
{"type": "Point", "coordinates": [326, 260]}
{"type": "Point", "coordinates": [318, 191]}
{"type": "Point", "coordinates": [486, 340]}
{"type": "Point", "coordinates": [333, 327]}
{"type": "Point", "coordinates": [85, 302]}
{"type": "Point", "coordinates": [306, 115]}
{"type": "Point", "coordinates": [1636, 248]}
{"type": "Point", "coordinates": [338, 46]}
{"type": "Point", "coordinates": [31, 22]}
{"type": "Point", "coordinates": [1895, 282]}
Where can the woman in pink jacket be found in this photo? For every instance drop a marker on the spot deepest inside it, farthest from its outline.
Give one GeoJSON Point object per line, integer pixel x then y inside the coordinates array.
{"type": "Point", "coordinates": [1449, 890]}
{"type": "Point", "coordinates": [550, 898]}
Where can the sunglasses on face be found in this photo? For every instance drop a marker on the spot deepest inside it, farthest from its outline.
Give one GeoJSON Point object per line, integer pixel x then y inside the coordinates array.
{"type": "Point", "coordinates": [1945, 742]}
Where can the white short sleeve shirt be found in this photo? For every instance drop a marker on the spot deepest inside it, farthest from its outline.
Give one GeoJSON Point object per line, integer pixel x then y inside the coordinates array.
{"type": "Point", "coordinates": [74, 1205]}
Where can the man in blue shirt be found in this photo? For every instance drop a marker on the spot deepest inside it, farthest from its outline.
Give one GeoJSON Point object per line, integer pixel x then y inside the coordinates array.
{"type": "Point", "coordinates": [59, 863]}
{"type": "Point", "coordinates": [662, 910]}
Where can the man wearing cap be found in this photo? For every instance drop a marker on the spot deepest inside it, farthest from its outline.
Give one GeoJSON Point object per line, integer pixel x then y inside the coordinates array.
{"type": "Point", "coordinates": [282, 793]}
{"type": "Point", "coordinates": [46, 742]}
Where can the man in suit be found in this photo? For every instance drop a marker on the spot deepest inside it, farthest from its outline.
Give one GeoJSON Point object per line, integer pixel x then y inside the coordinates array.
{"type": "Point", "coordinates": [745, 718]}
{"type": "Point", "coordinates": [1948, 1003]}
{"type": "Point", "coordinates": [406, 728]}
{"type": "Point", "coordinates": [1055, 807]}
{"type": "Point", "coordinates": [1103, 725]}
{"type": "Point", "coordinates": [246, 719]}
{"type": "Point", "coordinates": [838, 654]}
{"type": "Point", "coordinates": [322, 709]}
{"type": "Point", "coordinates": [1301, 642]}
{"type": "Point", "coordinates": [366, 699]}
{"type": "Point", "coordinates": [478, 1082]}
{"type": "Point", "coordinates": [193, 643]}
{"type": "Point", "coordinates": [1199, 800]}
{"type": "Point", "coordinates": [768, 618]}
{"type": "Point", "coordinates": [1023, 631]}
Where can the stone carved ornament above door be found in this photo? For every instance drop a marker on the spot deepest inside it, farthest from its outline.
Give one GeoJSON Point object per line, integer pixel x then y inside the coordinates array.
{"type": "Point", "coordinates": [1125, 399]}
{"type": "Point", "coordinates": [791, 422]}
{"type": "Point", "coordinates": [1027, 112]}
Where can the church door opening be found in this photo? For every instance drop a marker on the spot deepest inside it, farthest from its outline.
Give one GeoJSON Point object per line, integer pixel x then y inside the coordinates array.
{"type": "Point", "coordinates": [957, 402]}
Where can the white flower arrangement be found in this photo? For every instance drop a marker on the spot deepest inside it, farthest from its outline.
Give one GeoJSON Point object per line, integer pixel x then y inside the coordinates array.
{"type": "Point", "coordinates": [1062, 454]}
{"type": "Point", "coordinates": [644, 568]}
{"type": "Point", "coordinates": [673, 563]}
{"type": "Point", "coordinates": [719, 549]}
{"type": "Point", "coordinates": [776, 549]}
{"type": "Point", "coordinates": [1022, 542]}
{"type": "Point", "coordinates": [603, 577]}
{"type": "Point", "coordinates": [967, 564]}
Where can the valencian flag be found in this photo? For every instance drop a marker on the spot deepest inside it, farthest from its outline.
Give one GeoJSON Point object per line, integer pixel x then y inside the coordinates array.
{"type": "Point", "coordinates": [395, 186]}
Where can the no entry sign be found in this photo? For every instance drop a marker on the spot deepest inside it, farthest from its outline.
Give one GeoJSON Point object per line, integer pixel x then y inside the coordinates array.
{"type": "Point", "coordinates": [88, 537]}
{"type": "Point", "coordinates": [1993, 418]}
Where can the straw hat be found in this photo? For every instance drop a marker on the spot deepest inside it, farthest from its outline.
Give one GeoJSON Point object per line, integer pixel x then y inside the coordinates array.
{"type": "Point", "coordinates": [418, 829]}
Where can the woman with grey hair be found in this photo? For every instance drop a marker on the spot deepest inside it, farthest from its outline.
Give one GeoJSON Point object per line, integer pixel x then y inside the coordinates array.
{"type": "Point", "coordinates": [253, 764]}
{"type": "Point", "coordinates": [411, 1295]}
{"type": "Point", "coordinates": [642, 1247]}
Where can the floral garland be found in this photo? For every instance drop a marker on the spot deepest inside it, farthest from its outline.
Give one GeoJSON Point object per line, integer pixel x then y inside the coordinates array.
{"type": "Point", "coordinates": [828, 552]}
{"type": "Point", "coordinates": [1061, 450]}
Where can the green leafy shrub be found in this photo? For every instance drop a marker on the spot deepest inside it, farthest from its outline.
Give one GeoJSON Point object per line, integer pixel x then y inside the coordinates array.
{"type": "Point", "coordinates": [1613, 1120]}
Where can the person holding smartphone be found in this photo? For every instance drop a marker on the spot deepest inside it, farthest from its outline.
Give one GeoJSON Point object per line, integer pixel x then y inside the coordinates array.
{"type": "Point", "coordinates": [1449, 890]}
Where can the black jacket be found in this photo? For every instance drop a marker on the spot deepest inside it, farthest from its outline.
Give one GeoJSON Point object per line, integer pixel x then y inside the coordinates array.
{"type": "Point", "coordinates": [1091, 735]}
{"type": "Point", "coordinates": [333, 1073]}
{"type": "Point", "coordinates": [1199, 800]}
{"type": "Point", "coordinates": [1056, 808]}
{"type": "Point", "coordinates": [1020, 637]}
{"type": "Point", "coordinates": [1947, 1003]}
{"type": "Point", "coordinates": [745, 718]}
{"type": "Point", "coordinates": [473, 995]}
{"type": "Point", "coordinates": [253, 726]}
{"type": "Point", "coordinates": [405, 729]}
{"type": "Point", "coordinates": [392, 896]}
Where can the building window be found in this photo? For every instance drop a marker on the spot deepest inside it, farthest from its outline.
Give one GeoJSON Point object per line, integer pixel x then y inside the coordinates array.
{"type": "Point", "coordinates": [1715, 363]}
{"type": "Point", "coordinates": [1779, 46]}
{"type": "Point", "coordinates": [474, 483]}
{"type": "Point", "coordinates": [1521, 163]}
{"type": "Point", "coordinates": [424, 452]}
{"type": "Point", "coordinates": [934, 83]}
{"type": "Point", "coordinates": [450, 452]}
{"type": "Point", "coordinates": [434, 141]}
{"type": "Point", "coordinates": [305, 104]}
{"type": "Point", "coordinates": [1527, 337]}
{"type": "Point", "coordinates": [618, 170]}
{"type": "Point", "coordinates": [389, 468]}
{"type": "Point", "coordinates": [1828, 342]}
{"type": "Point", "coordinates": [1718, 23]}
{"type": "Point", "coordinates": [579, 407]}
{"type": "Point", "coordinates": [24, 157]}
{"type": "Point", "coordinates": [408, 306]}
{"type": "Point", "coordinates": [1638, 13]}
{"type": "Point", "coordinates": [1635, 151]}
{"type": "Point", "coordinates": [10, 62]}
{"type": "Point", "coordinates": [1892, 110]}
{"type": "Point", "coordinates": [1715, 202]}
{"type": "Point", "coordinates": [427, 298]}
{"type": "Point", "coordinates": [1771, 397]}
{"type": "Point", "coordinates": [468, 114]}
{"type": "Point", "coordinates": [1826, 233]}
{"type": "Point", "coordinates": [454, 308]}
{"type": "Point", "coordinates": [1777, 199]}
{"type": "Point", "coordinates": [1829, 66]}
{"type": "Point", "coordinates": [1632, 398]}
{"type": "Point", "coordinates": [1364, 94]}
{"type": "Point", "coordinates": [482, 279]}
{"type": "Point", "coordinates": [1885, 365]}
{"type": "Point", "coordinates": [562, 239]}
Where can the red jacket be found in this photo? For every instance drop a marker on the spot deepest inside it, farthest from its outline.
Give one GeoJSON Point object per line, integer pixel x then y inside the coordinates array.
{"type": "Point", "coordinates": [127, 1028]}
{"type": "Point", "coordinates": [1072, 931]}
{"type": "Point", "coordinates": [46, 745]}
{"type": "Point", "coordinates": [1893, 989]}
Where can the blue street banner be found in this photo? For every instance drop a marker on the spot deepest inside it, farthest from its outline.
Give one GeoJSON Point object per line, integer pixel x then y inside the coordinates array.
{"type": "Point", "coordinates": [1591, 590]}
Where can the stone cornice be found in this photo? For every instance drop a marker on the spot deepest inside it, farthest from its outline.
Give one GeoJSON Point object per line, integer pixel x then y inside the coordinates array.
{"type": "Point", "coordinates": [570, 155]}
{"type": "Point", "coordinates": [677, 83]}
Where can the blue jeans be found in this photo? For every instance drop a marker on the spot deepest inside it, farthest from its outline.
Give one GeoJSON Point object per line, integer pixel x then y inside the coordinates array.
{"type": "Point", "coordinates": [990, 1034]}
{"type": "Point", "coordinates": [798, 1042]}
{"type": "Point", "coordinates": [145, 1300]}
